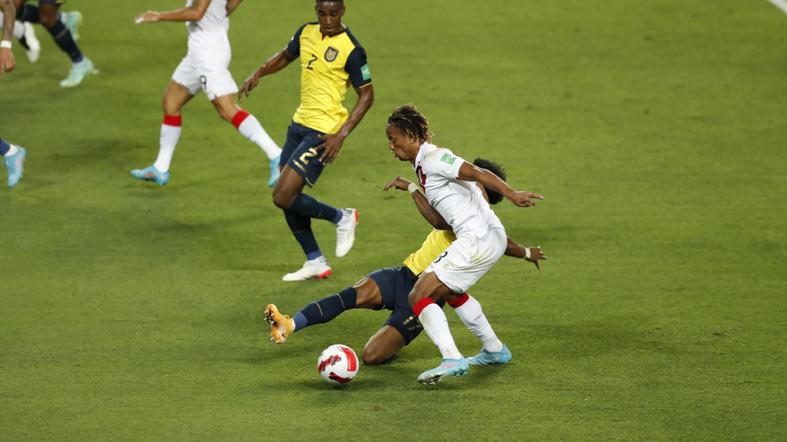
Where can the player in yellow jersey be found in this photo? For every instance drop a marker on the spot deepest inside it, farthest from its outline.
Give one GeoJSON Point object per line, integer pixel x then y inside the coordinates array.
{"type": "Point", "coordinates": [331, 59]}
{"type": "Point", "coordinates": [389, 288]}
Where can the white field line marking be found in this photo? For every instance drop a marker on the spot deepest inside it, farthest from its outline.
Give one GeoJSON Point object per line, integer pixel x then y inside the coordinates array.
{"type": "Point", "coordinates": [781, 4]}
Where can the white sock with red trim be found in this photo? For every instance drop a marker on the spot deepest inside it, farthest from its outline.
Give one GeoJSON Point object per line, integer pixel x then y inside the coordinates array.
{"type": "Point", "coordinates": [250, 127]}
{"type": "Point", "coordinates": [170, 134]}
{"type": "Point", "coordinates": [436, 326]}
{"type": "Point", "coordinates": [469, 311]}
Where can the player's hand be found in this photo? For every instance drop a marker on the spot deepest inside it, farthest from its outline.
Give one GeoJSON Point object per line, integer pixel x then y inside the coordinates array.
{"type": "Point", "coordinates": [398, 183]}
{"type": "Point", "coordinates": [534, 254]}
{"type": "Point", "coordinates": [248, 85]}
{"type": "Point", "coordinates": [332, 144]}
{"type": "Point", "coordinates": [525, 199]}
{"type": "Point", "coordinates": [148, 17]}
{"type": "Point", "coordinates": [7, 60]}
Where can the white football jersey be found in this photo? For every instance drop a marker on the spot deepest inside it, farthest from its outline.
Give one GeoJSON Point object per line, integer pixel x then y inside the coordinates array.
{"type": "Point", "coordinates": [461, 203]}
{"type": "Point", "coordinates": [215, 18]}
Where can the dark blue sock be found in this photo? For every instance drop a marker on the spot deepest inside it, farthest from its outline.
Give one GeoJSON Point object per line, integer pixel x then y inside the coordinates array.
{"type": "Point", "coordinates": [307, 206]}
{"type": "Point", "coordinates": [301, 227]}
{"type": "Point", "coordinates": [4, 146]}
{"type": "Point", "coordinates": [28, 13]}
{"type": "Point", "coordinates": [325, 309]}
{"type": "Point", "coordinates": [65, 41]}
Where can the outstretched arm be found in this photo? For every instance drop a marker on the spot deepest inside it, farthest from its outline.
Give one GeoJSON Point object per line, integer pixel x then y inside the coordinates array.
{"type": "Point", "coordinates": [530, 254]}
{"type": "Point", "coordinates": [7, 61]}
{"type": "Point", "coordinates": [232, 5]}
{"type": "Point", "coordinates": [333, 142]}
{"type": "Point", "coordinates": [277, 62]}
{"type": "Point", "coordinates": [195, 12]}
{"type": "Point", "coordinates": [429, 213]}
{"type": "Point", "coordinates": [469, 172]}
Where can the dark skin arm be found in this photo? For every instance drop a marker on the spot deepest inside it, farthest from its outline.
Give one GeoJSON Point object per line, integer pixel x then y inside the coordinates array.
{"type": "Point", "coordinates": [277, 62]}
{"type": "Point", "coordinates": [515, 250]}
{"type": "Point", "coordinates": [429, 213]}
{"type": "Point", "coordinates": [7, 60]}
{"type": "Point", "coordinates": [333, 142]}
{"type": "Point", "coordinates": [194, 12]}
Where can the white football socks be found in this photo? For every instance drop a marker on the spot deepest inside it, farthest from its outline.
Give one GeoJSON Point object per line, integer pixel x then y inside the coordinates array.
{"type": "Point", "coordinates": [473, 318]}
{"type": "Point", "coordinates": [436, 326]}
{"type": "Point", "coordinates": [251, 128]}
{"type": "Point", "coordinates": [169, 139]}
{"type": "Point", "coordinates": [19, 28]}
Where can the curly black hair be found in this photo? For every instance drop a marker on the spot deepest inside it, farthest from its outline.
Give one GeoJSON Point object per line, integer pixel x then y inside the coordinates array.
{"type": "Point", "coordinates": [497, 169]}
{"type": "Point", "coordinates": [411, 122]}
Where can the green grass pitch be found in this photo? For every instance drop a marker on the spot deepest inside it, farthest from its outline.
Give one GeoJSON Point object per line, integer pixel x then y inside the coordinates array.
{"type": "Point", "coordinates": [656, 130]}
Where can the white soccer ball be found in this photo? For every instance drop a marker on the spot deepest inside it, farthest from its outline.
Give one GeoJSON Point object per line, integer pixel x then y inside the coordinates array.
{"type": "Point", "coordinates": [338, 364]}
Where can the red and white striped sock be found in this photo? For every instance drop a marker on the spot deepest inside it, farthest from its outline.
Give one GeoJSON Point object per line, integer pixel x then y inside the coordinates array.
{"type": "Point", "coordinates": [436, 326]}
{"type": "Point", "coordinates": [170, 134]}
{"type": "Point", "coordinates": [250, 127]}
{"type": "Point", "coordinates": [469, 311]}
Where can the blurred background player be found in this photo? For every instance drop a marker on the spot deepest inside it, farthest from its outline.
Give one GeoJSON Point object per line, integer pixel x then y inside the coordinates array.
{"type": "Point", "coordinates": [204, 67]}
{"type": "Point", "coordinates": [63, 28]}
{"type": "Point", "coordinates": [13, 156]}
{"type": "Point", "coordinates": [331, 58]}
{"type": "Point", "coordinates": [450, 187]}
{"type": "Point", "coordinates": [389, 288]}
{"type": "Point", "coordinates": [14, 159]}
{"type": "Point", "coordinates": [25, 34]}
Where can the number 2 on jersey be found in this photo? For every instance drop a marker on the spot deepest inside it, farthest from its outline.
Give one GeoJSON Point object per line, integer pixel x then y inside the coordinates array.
{"type": "Point", "coordinates": [313, 59]}
{"type": "Point", "coordinates": [308, 154]}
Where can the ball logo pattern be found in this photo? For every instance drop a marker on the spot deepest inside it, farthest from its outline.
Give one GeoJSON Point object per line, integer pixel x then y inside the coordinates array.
{"type": "Point", "coordinates": [338, 364]}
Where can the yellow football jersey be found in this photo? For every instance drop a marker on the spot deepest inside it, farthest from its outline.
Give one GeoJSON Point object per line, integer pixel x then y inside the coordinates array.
{"type": "Point", "coordinates": [328, 65]}
{"type": "Point", "coordinates": [432, 247]}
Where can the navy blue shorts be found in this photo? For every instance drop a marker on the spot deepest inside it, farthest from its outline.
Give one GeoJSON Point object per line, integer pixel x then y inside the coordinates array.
{"type": "Point", "coordinates": [301, 154]}
{"type": "Point", "coordinates": [395, 286]}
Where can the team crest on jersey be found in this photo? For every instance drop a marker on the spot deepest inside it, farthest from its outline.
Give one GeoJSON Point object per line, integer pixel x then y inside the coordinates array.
{"type": "Point", "coordinates": [331, 53]}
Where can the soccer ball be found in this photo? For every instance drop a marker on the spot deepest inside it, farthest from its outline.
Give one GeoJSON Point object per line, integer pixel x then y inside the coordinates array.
{"type": "Point", "coordinates": [338, 364]}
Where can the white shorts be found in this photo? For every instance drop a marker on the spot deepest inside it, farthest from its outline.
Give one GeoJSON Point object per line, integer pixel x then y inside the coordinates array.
{"type": "Point", "coordinates": [468, 258]}
{"type": "Point", "coordinates": [206, 69]}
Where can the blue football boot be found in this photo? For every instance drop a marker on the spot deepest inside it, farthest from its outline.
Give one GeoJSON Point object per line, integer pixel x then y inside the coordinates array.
{"type": "Point", "coordinates": [16, 166]}
{"type": "Point", "coordinates": [150, 173]}
{"type": "Point", "coordinates": [449, 367]}
{"type": "Point", "coordinates": [78, 73]}
{"type": "Point", "coordinates": [501, 357]}
{"type": "Point", "coordinates": [274, 166]}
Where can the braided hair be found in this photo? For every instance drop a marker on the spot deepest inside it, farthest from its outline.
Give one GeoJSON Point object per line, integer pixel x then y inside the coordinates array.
{"type": "Point", "coordinates": [411, 122]}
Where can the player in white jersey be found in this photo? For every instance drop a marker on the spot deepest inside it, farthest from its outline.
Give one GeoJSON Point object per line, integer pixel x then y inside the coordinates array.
{"type": "Point", "coordinates": [449, 185]}
{"type": "Point", "coordinates": [204, 68]}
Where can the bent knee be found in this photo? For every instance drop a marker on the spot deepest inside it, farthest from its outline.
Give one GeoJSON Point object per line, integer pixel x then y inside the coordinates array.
{"type": "Point", "coordinates": [375, 357]}
{"type": "Point", "coordinates": [47, 20]}
{"type": "Point", "coordinates": [169, 107]}
{"type": "Point", "coordinates": [282, 200]}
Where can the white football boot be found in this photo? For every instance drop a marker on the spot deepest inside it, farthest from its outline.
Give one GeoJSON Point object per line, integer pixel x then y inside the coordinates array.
{"type": "Point", "coordinates": [313, 269]}
{"type": "Point", "coordinates": [345, 231]}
